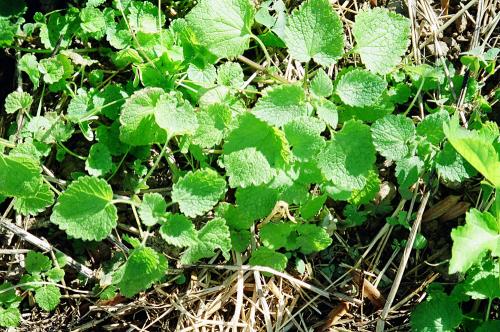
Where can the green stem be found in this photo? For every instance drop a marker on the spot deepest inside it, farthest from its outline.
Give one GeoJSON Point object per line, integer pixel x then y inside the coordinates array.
{"type": "Point", "coordinates": [488, 310]}
{"type": "Point", "coordinates": [415, 98]}
{"type": "Point", "coordinates": [123, 200]}
{"type": "Point", "coordinates": [118, 166]}
{"type": "Point", "coordinates": [68, 151]}
{"type": "Point", "coordinates": [497, 205]}
{"type": "Point", "coordinates": [263, 47]}
{"type": "Point", "coordinates": [34, 50]}
{"type": "Point", "coordinates": [6, 143]}
{"type": "Point", "coordinates": [156, 163]}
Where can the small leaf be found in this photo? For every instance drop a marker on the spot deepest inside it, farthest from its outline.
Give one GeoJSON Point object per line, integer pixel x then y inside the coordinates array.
{"type": "Point", "coordinates": [321, 84]}
{"type": "Point", "coordinates": [99, 161]}
{"type": "Point", "coordinates": [179, 231]}
{"type": "Point", "coordinates": [36, 262]}
{"type": "Point", "coordinates": [144, 266]}
{"type": "Point", "coordinates": [314, 31]}
{"type": "Point", "coordinates": [482, 281]}
{"type": "Point", "coordinates": [439, 314]}
{"type": "Point", "coordinates": [47, 297]}
{"type": "Point", "coordinates": [471, 241]}
{"type": "Point", "coordinates": [392, 136]}
{"type": "Point", "coordinates": [281, 104]}
{"type": "Point", "coordinates": [153, 209]}
{"type": "Point", "coordinates": [431, 127]}
{"type": "Point", "coordinates": [198, 192]}
{"type": "Point", "coordinates": [213, 122]}
{"type": "Point", "coordinates": [17, 100]}
{"type": "Point", "coordinates": [266, 257]}
{"type": "Point", "coordinates": [304, 135]}
{"type": "Point", "coordinates": [230, 74]}
{"type": "Point", "coordinates": [359, 88]}
{"type": "Point", "coordinates": [29, 65]}
{"type": "Point", "coordinates": [10, 317]}
{"type": "Point", "coordinates": [312, 238]}
{"type": "Point", "coordinates": [256, 202]}
{"type": "Point", "coordinates": [85, 209]}
{"type": "Point", "coordinates": [451, 166]}
{"type": "Point", "coordinates": [382, 38]}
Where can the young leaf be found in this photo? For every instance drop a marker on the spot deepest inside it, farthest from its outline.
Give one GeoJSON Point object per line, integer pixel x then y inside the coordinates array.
{"type": "Point", "coordinates": [312, 238]}
{"type": "Point", "coordinates": [252, 132]}
{"type": "Point", "coordinates": [481, 233]}
{"type": "Point", "coordinates": [348, 157]}
{"type": "Point", "coordinates": [230, 74]}
{"type": "Point", "coordinates": [476, 149]}
{"type": "Point", "coordinates": [235, 217]}
{"type": "Point", "coordinates": [392, 136]}
{"type": "Point", "coordinates": [327, 111]}
{"type": "Point", "coordinates": [99, 161]}
{"type": "Point", "coordinates": [256, 202]}
{"type": "Point", "coordinates": [47, 297]}
{"type": "Point", "coordinates": [314, 31]}
{"type": "Point", "coordinates": [382, 38]}
{"type": "Point", "coordinates": [408, 171]}
{"type": "Point", "coordinates": [321, 84]}
{"type": "Point", "coordinates": [214, 235]}
{"type": "Point", "coordinates": [213, 121]}
{"type": "Point", "coordinates": [198, 192]}
{"type": "Point", "coordinates": [247, 167]}
{"type": "Point", "coordinates": [10, 317]}
{"type": "Point", "coordinates": [451, 166]}
{"type": "Point", "coordinates": [16, 101]}
{"type": "Point", "coordinates": [431, 127]}
{"type": "Point", "coordinates": [359, 88]}
{"type": "Point", "coordinates": [150, 114]}
{"type": "Point", "coordinates": [179, 231]}
{"type": "Point", "coordinates": [85, 209]}
{"type": "Point", "coordinates": [144, 266]}
{"type": "Point", "coordinates": [281, 104]}
{"type": "Point", "coordinates": [223, 26]}
{"type": "Point", "coordinates": [29, 65]}
{"type": "Point", "coordinates": [153, 209]}
{"type": "Point", "coordinates": [266, 257]}
{"type": "Point", "coordinates": [36, 262]}
{"type": "Point", "coordinates": [440, 314]}
{"type": "Point", "coordinates": [303, 134]}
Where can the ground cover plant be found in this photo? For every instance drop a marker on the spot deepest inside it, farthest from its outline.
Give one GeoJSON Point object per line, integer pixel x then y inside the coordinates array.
{"type": "Point", "coordinates": [249, 165]}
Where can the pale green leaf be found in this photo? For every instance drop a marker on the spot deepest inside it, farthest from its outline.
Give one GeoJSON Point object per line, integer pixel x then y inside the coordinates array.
{"type": "Point", "coordinates": [10, 317]}
{"type": "Point", "coordinates": [266, 257]}
{"type": "Point", "coordinates": [359, 88]}
{"type": "Point", "coordinates": [392, 136]}
{"type": "Point", "coordinates": [303, 134]}
{"type": "Point", "coordinates": [179, 231]}
{"type": "Point", "coordinates": [29, 65]}
{"type": "Point", "coordinates": [441, 313]}
{"type": "Point", "coordinates": [17, 100]}
{"type": "Point", "coordinates": [281, 104]}
{"type": "Point", "coordinates": [36, 262]}
{"type": "Point", "coordinates": [327, 111]}
{"type": "Point", "coordinates": [230, 74]}
{"type": "Point", "coordinates": [382, 38]}
{"type": "Point", "coordinates": [213, 122]}
{"type": "Point", "coordinates": [482, 281]}
{"type": "Point", "coordinates": [153, 209]}
{"type": "Point", "coordinates": [431, 127]}
{"type": "Point", "coordinates": [85, 209]}
{"type": "Point", "coordinates": [198, 192]}
{"type": "Point", "coordinates": [451, 166]}
{"type": "Point", "coordinates": [223, 26]}
{"type": "Point", "coordinates": [321, 84]}
{"type": "Point", "coordinates": [256, 202]}
{"type": "Point", "coordinates": [247, 167]}
{"type": "Point", "coordinates": [314, 31]}
{"type": "Point", "coordinates": [99, 161]}
{"type": "Point", "coordinates": [480, 234]}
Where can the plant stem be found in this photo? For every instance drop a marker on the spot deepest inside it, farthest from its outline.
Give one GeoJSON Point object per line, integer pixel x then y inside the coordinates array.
{"type": "Point", "coordinates": [255, 65]}
{"type": "Point", "coordinates": [263, 47]}
{"type": "Point", "coordinates": [156, 163]}
{"type": "Point", "coordinates": [6, 143]}
{"type": "Point", "coordinates": [71, 152]}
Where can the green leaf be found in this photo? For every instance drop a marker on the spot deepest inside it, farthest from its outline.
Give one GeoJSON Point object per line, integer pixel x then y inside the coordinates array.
{"type": "Point", "coordinates": [144, 267]}
{"type": "Point", "coordinates": [382, 38]}
{"type": "Point", "coordinates": [312, 238]}
{"type": "Point", "coordinates": [8, 294]}
{"type": "Point", "coordinates": [247, 167]}
{"type": "Point", "coordinates": [451, 166]}
{"type": "Point", "coordinates": [213, 122]}
{"type": "Point", "coordinates": [476, 149]}
{"type": "Point", "coordinates": [235, 217]}
{"type": "Point", "coordinates": [32, 194]}
{"type": "Point", "coordinates": [214, 235]}
{"type": "Point", "coordinates": [408, 171]}
{"type": "Point", "coordinates": [254, 133]}
{"type": "Point", "coordinates": [47, 297]}
{"type": "Point", "coordinates": [230, 74]}
{"type": "Point", "coordinates": [304, 135]}
{"type": "Point", "coordinates": [360, 88]}
{"type": "Point", "coordinates": [481, 233]}
{"type": "Point", "coordinates": [29, 65]}
{"type": "Point", "coordinates": [150, 114]}
{"type": "Point", "coordinates": [369, 191]}
{"type": "Point", "coordinates": [431, 127]}
{"type": "Point", "coordinates": [312, 207]}
{"type": "Point", "coordinates": [240, 240]}
{"type": "Point", "coordinates": [143, 17]}
{"type": "Point", "coordinates": [439, 314]}
{"type": "Point", "coordinates": [256, 202]}
{"type": "Point", "coordinates": [204, 76]}
{"type": "Point", "coordinates": [55, 274]}
{"type": "Point", "coordinates": [85, 209]}
{"type": "Point", "coordinates": [222, 26]}
{"type": "Point", "coordinates": [281, 104]}
{"type": "Point", "coordinates": [263, 256]}
{"type": "Point", "coordinates": [179, 231]}
{"type": "Point", "coordinates": [153, 209]}
{"type": "Point", "coordinates": [55, 69]}
{"type": "Point", "coordinates": [17, 100]}
{"type": "Point", "coordinates": [392, 136]}
{"type": "Point", "coordinates": [197, 192]}
{"type": "Point", "coordinates": [482, 281]}
{"type": "Point", "coordinates": [10, 317]}
{"type": "Point", "coordinates": [321, 84]}
{"type": "Point", "coordinates": [93, 22]}
{"type": "Point", "coordinates": [488, 326]}
{"type": "Point", "coordinates": [348, 157]}
{"type": "Point", "coordinates": [327, 111]}
{"type": "Point", "coordinates": [381, 108]}
{"type": "Point", "coordinates": [314, 31]}
{"type": "Point", "coordinates": [99, 161]}
{"type": "Point", "coordinates": [36, 262]}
